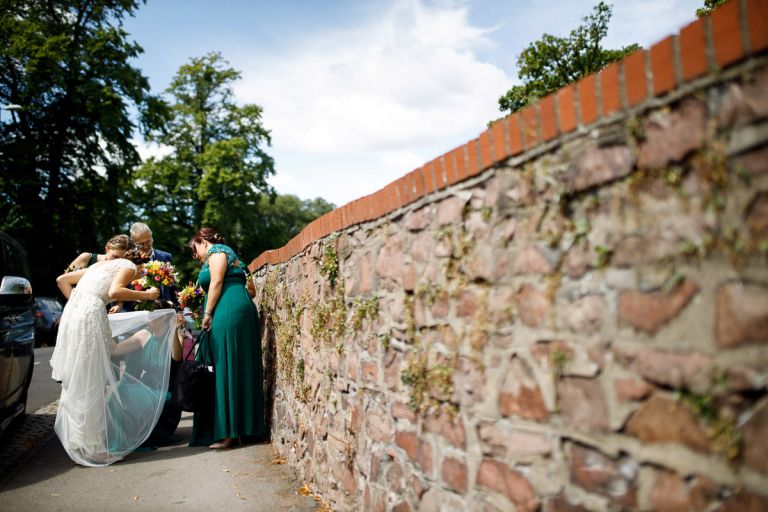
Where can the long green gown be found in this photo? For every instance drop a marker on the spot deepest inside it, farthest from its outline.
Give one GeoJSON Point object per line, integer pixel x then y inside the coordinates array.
{"type": "Point", "coordinates": [234, 347]}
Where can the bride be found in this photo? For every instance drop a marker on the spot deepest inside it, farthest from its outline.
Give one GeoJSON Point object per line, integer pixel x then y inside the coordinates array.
{"type": "Point", "coordinates": [108, 404]}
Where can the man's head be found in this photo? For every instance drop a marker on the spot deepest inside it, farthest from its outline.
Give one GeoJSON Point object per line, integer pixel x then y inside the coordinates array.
{"type": "Point", "coordinates": [141, 235]}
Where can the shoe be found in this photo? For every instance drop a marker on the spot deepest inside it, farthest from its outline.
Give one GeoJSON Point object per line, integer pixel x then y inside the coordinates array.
{"type": "Point", "coordinates": [223, 444]}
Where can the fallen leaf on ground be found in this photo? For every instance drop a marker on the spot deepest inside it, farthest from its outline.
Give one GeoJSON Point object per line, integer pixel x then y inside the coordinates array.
{"type": "Point", "coordinates": [278, 460]}
{"type": "Point", "coordinates": [305, 490]}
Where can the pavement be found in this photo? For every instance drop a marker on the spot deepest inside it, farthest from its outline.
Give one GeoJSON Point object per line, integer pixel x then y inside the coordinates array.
{"type": "Point", "coordinates": [36, 475]}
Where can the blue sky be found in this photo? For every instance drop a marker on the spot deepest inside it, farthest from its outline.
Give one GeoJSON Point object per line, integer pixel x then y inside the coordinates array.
{"type": "Point", "coordinates": [358, 93]}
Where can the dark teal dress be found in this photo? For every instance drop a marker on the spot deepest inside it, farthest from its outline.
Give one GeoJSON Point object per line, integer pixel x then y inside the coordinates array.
{"type": "Point", "coordinates": [234, 348]}
{"type": "Point", "coordinates": [140, 365]}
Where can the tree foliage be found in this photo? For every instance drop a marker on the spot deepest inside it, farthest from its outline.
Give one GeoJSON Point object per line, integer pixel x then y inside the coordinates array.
{"type": "Point", "coordinates": [217, 169]}
{"type": "Point", "coordinates": [709, 6]}
{"type": "Point", "coordinates": [67, 153]}
{"type": "Point", "coordinates": [552, 62]}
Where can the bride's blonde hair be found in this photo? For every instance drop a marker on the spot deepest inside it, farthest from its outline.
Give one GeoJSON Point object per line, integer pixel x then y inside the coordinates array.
{"type": "Point", "coordinates": [120, 243]}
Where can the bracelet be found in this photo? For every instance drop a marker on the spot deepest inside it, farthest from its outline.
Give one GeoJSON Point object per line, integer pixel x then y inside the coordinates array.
{"type": "Point", "coordinates": [207, 313]}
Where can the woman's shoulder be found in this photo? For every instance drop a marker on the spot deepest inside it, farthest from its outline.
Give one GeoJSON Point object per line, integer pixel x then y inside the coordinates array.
{"type": "Point", "coordinates": [224, 249]}
{"type": "Point", "coordinates": [122, 263]}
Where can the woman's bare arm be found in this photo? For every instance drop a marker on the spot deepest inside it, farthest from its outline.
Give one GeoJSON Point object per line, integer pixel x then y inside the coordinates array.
{"type": "Point", "coordinates": [217, 264]}
{"type": "Point", "coordinates": [65, 282]}
{"type": "Point", "coordinates": [131, 344]}
{"type": "Point", "coordinates": [118, 290]}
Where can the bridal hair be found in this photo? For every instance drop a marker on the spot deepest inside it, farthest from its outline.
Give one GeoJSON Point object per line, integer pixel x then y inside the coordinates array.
{"type": "Point", "coordinates": [211, 235]}
{"type": "Point", "coordinates": [119, 243]}
{"type": "Point", "coordinates": [136, 256]}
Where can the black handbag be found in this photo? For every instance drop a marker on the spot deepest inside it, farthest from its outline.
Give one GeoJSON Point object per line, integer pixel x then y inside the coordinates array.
{"type": "Point", "coordinates": [195, 385]}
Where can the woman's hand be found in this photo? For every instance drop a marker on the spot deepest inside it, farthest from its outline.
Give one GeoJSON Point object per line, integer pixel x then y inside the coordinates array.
{"type": "Point", "coordinates": [152, 293]}
{"type": "Point", "coordinates": [207, 319]}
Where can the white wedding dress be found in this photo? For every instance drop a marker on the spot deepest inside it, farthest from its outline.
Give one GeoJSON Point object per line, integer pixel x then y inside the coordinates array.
{"type": "Point", "coordinates": [109, 404]}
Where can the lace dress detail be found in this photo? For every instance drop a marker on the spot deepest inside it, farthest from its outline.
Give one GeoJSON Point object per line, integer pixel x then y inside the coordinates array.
{"type": "Point", "coordinates": [217, 248]}
{"type": "Point", "coordinates": [84, 323]}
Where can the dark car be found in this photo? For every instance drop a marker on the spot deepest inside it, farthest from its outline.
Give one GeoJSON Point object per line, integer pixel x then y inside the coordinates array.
{"type": "Point", "coordinates": [47, 315]}
{"type": "Point", "coordinates": [17, 331]}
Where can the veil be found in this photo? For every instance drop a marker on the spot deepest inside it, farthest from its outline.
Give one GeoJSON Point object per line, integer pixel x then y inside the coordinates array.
{"type": "Point", "coordinates": [113, 402]}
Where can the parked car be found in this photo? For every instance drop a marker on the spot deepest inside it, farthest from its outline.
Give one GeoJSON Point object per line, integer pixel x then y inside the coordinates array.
{"type": "Point", "coordinates": [17, 331]}
{"type": "Point", "coordinates": [47, 315]}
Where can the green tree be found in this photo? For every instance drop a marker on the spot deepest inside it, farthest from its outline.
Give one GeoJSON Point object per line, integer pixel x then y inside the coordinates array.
{"type": "Point", "coordinates": [709, 6]}
{"type": "Point", "coordinates": [66, 155]}
{"type": "Point", "coordinates": [283, 218]}
{"type": "Point", "coordinates": [217, 169]}
{"type": "Point", "coordinates": [552, 62]}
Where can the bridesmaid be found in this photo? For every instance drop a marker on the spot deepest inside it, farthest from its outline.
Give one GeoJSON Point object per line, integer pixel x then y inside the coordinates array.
{"type": "Point", "coordinates": [115, 248]}
{"type": "Point", "coordinates": [234, 347]}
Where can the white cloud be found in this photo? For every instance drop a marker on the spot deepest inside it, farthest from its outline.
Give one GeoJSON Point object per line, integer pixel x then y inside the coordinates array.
{"type": "Point", "coordinates": [353, 110]}
{"type": "Point", "coordinates": [150, 149]}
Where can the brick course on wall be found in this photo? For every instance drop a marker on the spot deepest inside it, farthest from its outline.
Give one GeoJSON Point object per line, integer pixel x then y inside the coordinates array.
{"type": "Point", "coordinates": [569, 312]}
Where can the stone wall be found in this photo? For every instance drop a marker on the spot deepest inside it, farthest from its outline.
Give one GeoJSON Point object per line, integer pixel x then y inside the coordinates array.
{"type": "Point", "coordinates": [568, 313]}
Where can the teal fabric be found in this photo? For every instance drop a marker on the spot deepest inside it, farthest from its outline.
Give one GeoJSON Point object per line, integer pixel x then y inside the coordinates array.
{"type": "Point", "coordinates": [234, 348]}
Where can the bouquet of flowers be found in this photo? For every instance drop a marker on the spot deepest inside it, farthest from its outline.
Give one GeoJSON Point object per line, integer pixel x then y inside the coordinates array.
{"type": "Point", "coordinates": [153, 274]}
{"type": "Point", "coordinates": [192, 297]}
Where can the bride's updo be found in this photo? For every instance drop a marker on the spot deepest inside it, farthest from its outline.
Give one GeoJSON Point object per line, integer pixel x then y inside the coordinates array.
{"type": "Point", "coordinates": [120, 243]}
{"type": "Point", "coordinates": [136, 256]}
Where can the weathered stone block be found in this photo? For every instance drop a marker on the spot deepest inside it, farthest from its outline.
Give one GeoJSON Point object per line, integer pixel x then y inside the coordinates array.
{"type": "Point", "coordinates": [454, 474]}
{"type": "Point", "coordinates": [744, 501]}
{"type": "Point", "coordinates": [450, 211]}
{"type": "Point", "coordinates": [678, 370]}
{"type": "Point", "coordinates": [449, 427]}
{"type": "Point", "coordinates": [419, 219]}
{"type": "Point", "coordinates": [531, 261]}
{"type": "Point", "coordinates": [671, 135]}
{"type": "Point", "coordinates": [379, 425]}
{"type": "Point", "coordinates": [651, 311]}
{"type": "Point", "coordinates": [582, 403]}
{"type": "Point", "coordinates": [631, 389]}
{"type": "Point", "coordinates": [391, 259]}
{"type": "Point", "coordinates": [501, 440]}
{"type": "Point", "coordinates": [742, 314]}
{"type": "Point", "coordinates": [663, 420]}
{"type": "Point", "coordinates": [669, 493]}
{"type": "Point", "coordinates": [520, 394]}
{"type": "Point", "coordinates": [532, 305]}
{"type": "Point", "coordinates": [585, 315]}
{"type": "Point", "coordinates": [596, 166]}
{"type": "Point", "coordinates": [755, 432]}
{"type": "Point", "coordinates": [500, 478]}
{"type": "Point", "coordinates": [745, 103]}
{"type": "Point", "coordinates": [614, 479]}
{"type": "Point", "coordinates": [757, 215]}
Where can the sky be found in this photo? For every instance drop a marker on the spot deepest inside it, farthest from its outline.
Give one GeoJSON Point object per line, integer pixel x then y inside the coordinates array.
{"type": "Point", "coordinates": [357, 93]}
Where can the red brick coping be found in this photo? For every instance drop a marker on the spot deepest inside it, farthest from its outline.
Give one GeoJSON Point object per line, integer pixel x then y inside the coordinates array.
{"type": "Point", "coordinates": [734, 31]}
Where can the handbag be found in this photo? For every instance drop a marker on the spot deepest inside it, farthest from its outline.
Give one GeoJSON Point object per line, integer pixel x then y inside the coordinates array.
{"type": "Point", "coordinates": [195, 385]}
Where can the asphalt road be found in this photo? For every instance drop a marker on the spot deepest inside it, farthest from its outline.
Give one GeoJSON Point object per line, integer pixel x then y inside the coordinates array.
{"type": "Point", "coordinates": [36, 475]}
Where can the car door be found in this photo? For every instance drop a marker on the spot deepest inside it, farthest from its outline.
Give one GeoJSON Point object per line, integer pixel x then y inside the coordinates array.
{"type": "Point", "coordinates": [17, 322]}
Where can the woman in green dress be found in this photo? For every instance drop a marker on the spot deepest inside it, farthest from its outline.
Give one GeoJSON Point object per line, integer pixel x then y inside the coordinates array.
{"type": "Point", "coordinates": [234, 347]}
